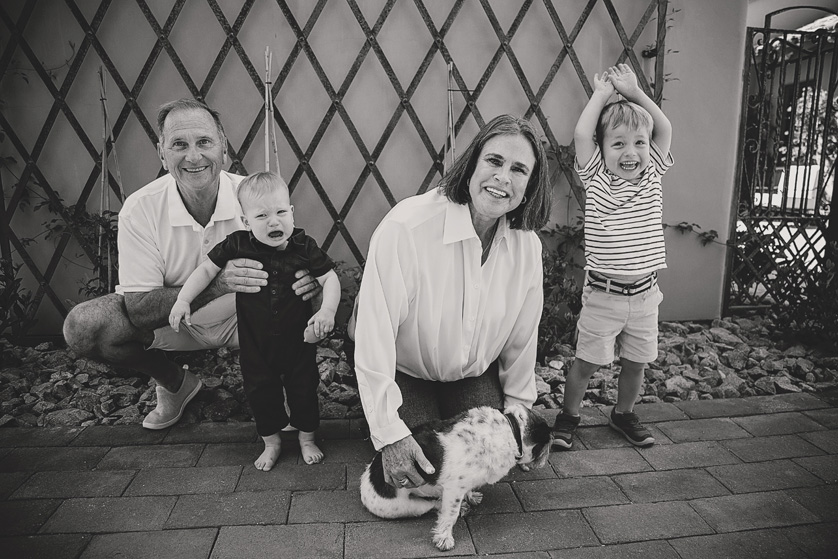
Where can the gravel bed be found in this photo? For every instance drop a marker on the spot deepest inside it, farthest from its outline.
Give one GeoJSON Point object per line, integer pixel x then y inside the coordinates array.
{"type": "Point", "coordinates": [728, 358]}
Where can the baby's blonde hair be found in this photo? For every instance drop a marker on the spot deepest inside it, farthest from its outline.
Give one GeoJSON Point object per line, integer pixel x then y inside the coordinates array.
{"type": "Point", "coordinates": [258, 184]}
{"type": "Point", "coordinates": [621, 113]}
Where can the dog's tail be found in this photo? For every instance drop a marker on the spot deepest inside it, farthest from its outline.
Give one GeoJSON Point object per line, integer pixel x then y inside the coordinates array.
{"type": "Point", "coordinates": [384, 500]}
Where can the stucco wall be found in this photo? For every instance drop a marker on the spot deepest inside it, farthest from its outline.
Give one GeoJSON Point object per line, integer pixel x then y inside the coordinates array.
{"type": "Point", "coordinates": [702, 100]}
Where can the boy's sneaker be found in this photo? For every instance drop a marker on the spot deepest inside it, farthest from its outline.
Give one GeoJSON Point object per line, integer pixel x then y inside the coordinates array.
{"type": "Point", "coordinates": [629, 425]}
{"type": "Point", "coordinates": [563, 429]}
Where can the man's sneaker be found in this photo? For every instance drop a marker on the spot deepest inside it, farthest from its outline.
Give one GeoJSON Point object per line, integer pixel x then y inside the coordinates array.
{"type": "Point", "coordinates": [629, 425]}
{"type": "Point", "coordinates": [170, 405]}
{"type": "Point", "coordinates": [563, 429]}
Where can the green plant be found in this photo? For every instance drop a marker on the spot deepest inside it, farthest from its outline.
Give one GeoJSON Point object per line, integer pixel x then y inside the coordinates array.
{"type": "Point", "coordinates": [97, 231]}
{"type": "Point", "coordinates": [19, 70]}
{"type": "Point", "coordinates": [807, 309]}
{"type": "Point", "coordinates": [562, 292]}
{"type": "Point", "coordinates": [16, 305]}
{"type": "Point", "coordinates": [93, 230]}
{"type": "Point", "coordinates": [705, 237]}
{"type": "Point", "coordinates": [805, 147]}
{"type": "Point", "coordinates": [350, 283]}
{"type": "Point", "coordinates": [812, 317]}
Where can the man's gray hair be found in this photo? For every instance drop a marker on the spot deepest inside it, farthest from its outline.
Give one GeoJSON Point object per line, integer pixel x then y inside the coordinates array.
{"type": "Point", "coordinates": [186, 104]}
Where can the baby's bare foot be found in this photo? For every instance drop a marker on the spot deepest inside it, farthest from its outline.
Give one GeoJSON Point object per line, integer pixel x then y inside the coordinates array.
{"type": "Point", "coordinates": [273, 446]}
{"type": "Point", "coordinates": [310, 451]}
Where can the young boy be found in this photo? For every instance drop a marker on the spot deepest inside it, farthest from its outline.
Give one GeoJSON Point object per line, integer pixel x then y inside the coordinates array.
{"type": "Point", "coordinates": [621, 170]}
{"type": "Point", "coordinates": [274, 324]}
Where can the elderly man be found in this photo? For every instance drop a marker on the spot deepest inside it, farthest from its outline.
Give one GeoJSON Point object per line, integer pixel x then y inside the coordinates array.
{"type": "Point", "coordinates": [165, 231]}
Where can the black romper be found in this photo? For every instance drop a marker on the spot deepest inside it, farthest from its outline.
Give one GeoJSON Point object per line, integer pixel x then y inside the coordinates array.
{"type": "Point", "coordinates": [271, 323]}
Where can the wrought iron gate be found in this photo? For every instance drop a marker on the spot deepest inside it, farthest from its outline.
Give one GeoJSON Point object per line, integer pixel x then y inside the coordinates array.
{"type": "Point", "coordinates": [785, 167]}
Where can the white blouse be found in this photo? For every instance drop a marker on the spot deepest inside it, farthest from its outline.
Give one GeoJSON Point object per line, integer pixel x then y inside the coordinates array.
{"type": "Point", "coordinates": [430, 310]}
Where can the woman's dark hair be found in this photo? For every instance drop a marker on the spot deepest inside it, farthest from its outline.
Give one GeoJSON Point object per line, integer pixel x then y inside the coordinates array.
{"type": "Point", "coordinates": [534, 212]}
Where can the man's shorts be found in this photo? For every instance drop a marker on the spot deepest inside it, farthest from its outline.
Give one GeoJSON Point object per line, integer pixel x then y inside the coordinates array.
{"type": "Point", "coordinates": [628, 321]}
{"type": "Point", "coordinates": [213, 325]}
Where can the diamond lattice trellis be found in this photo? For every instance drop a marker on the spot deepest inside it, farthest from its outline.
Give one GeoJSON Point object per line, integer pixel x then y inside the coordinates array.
{"type": "Point", "coordinates": [92, 19]}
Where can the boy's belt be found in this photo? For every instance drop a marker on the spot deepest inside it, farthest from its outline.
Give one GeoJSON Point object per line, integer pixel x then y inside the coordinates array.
{"type": "Point", "coordinates": [609, 285]}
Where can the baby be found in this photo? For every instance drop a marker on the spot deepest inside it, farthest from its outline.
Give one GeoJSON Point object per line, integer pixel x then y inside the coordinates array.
{"type": "Point", "coordinates": [274, 324]}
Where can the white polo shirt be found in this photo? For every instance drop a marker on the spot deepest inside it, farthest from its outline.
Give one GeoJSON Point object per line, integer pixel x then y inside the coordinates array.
{"type": "Point", "coordinates": [160, 243]}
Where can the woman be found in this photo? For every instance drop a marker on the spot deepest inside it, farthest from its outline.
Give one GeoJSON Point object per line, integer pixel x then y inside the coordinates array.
{"type": "Point", "coordinates": [451, 297]}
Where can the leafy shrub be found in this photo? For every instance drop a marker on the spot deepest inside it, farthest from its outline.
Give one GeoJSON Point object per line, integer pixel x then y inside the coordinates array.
{"type": "Point", "coordinates": [562, 292]}
{"type": "Point", "coordinates": [16, 303]}
{"type": "Point", "coordinates": [98, 232]}
{"type": "Point", "coordinates": [812, 317]}
{"type": "Point", "coordinates": [350, 283]}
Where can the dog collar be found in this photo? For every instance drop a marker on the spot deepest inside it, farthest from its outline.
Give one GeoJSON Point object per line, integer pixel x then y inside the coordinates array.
{"type": "Point", "coordinates": [516, 431]}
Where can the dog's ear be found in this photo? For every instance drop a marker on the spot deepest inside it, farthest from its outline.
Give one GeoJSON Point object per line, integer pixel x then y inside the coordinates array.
{"type": "Point", "coordinates": [540, 454]}
{"type": "Point", "coordinates": [540, 432]}
{"type": "Point", "coordinates": [537, 437]}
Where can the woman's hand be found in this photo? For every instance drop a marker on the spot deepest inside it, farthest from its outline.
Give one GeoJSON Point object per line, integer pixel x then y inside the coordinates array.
{"type": "Point", "coordinates": [399, 460]}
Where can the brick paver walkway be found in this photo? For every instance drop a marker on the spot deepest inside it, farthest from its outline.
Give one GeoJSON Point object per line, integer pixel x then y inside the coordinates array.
{"type": "Point", "coordinates": [753, 477]}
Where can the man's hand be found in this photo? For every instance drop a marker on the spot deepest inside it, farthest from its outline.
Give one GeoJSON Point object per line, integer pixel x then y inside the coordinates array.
{"type": "Point", "coordinates": [180, 311]}
{"type": "Point", "coordinates": [399, 459]}
{"type": "Point", "coordinates": [241, 275]}
{"type": "Point", "coordinates": [306, 286]}
{"type": "Point", "coordinates": [624, 81]}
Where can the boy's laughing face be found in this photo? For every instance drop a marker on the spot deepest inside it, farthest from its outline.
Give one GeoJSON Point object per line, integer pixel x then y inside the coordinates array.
{"type": "Point", "coordinates": [626, 152]}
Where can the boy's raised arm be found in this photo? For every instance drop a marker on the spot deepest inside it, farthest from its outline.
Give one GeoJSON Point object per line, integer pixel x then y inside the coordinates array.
{"type": "Point", "coordinates": [625, 82]}
{"type": "Point", "coordinates": [583, 135]}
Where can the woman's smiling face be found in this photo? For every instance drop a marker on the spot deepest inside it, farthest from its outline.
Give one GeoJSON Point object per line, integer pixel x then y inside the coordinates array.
{"type": "Point", "coordinates": [501, 176]}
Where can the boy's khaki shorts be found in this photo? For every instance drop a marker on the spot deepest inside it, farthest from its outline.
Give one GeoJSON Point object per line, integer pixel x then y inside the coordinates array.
{"type": "Point", "coordinates": [213, 325]}
{"type": "Point", "coordinates": [608, 320]}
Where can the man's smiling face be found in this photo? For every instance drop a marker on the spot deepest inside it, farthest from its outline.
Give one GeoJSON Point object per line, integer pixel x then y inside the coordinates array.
{"type": "Point", "coordinates": [192, 149]}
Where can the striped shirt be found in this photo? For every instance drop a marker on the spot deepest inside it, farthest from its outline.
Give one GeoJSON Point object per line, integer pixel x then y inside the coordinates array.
{"type": "Point", "coordinates": [623, 221]}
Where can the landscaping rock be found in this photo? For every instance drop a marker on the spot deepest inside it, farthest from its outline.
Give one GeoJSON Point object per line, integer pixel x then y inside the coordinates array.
{"type": "Point", "coordinates": [65, 417]}
{"type": "Point", "coordinates": [785, 384]}
{"type": "Point", "coordinates": [725, 358]}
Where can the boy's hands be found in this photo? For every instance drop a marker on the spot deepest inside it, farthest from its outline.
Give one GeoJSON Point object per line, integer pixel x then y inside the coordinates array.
{"type": "Point", "coordinates": [323, 322]}
{"type": "Point", "coordinates": [624, 81]}
{"type": "Point", "coordinates": [180, 311]}
{"type": "Point", "coordinates": [602, 84]}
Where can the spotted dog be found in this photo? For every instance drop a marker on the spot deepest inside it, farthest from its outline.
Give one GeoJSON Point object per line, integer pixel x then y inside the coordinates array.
{"type": "Point", "coordinates": [475, 448]}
